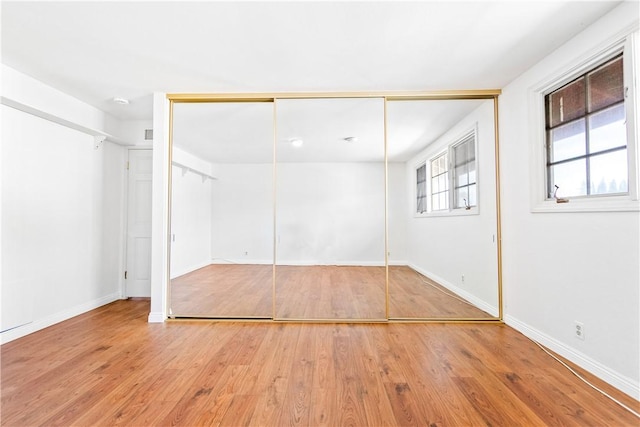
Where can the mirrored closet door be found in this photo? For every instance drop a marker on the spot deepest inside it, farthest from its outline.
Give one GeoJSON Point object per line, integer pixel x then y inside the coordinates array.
{"type": "Point", "coordinates": [330, 209]}
{"type": "Point", "coordinates": [443, 252]}
{"type": "Point", "coordinates": [221, 246]}
{"type": "Point", "coordinates": [335, 208]}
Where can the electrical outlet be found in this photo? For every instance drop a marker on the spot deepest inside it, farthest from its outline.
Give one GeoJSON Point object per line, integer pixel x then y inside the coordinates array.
{"type": "Point", "coordinates": [462, 278]}
{"type": "Point", "coordinates": [579, 330]}
{"type": "Point", "coordinates": [246, 253]}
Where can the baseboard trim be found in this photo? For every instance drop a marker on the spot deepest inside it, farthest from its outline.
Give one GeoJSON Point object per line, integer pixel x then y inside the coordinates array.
{"type": "Point", "coordinates": [45, 322]}
{"type": "Point", "coordinates": [481, 304]}
{"type": "Point", "coordinates": [191, 268]}
{"type": "Point", "coordinates": [622, 383]}
{"type": "Point", "coordinates": [242, 261]}
{"type": "Point", "coordinates": [331, 263]}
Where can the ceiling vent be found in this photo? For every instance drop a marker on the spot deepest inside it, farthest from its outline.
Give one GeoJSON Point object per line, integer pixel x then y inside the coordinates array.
{"type": "Point", "coordinates": [148, 134]}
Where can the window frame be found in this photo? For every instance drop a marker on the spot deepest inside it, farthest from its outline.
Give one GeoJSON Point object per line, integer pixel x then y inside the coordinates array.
{"type": "Point", "coordinates": [583, 121]}
{"type": "Point", "coordinates": [422, 164]}
{"type": "Point", "coordinates": [430, 178]}
{"type": "Point", "coordinates": [448, 150]}
{"type": "Point", "coordinates": [540, 201]}
{"type": "Point", "coordinates": [468, 137]}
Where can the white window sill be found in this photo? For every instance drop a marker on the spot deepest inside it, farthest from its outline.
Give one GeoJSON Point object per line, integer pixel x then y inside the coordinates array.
{"type": "Point", "coordinates": [597, 204]}
{"type": "Point", "coordinates": [456, 212]}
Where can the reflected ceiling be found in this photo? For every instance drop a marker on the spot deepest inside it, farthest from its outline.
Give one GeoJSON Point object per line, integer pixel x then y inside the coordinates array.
{"type": "Point", "coordinates": [214, 131]}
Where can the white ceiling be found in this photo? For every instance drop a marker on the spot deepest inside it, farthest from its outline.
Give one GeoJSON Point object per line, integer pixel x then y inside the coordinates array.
{"type": "Point", "coordinates": [99, 50]}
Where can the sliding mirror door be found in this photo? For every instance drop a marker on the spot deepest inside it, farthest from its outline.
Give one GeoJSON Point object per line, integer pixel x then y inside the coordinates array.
{"type": "Point", "coordinates": [443, 252]}
{"type": "Point", "coordinates": [221, 253]}
{"type": "Point", "coordinates": [330, 209]}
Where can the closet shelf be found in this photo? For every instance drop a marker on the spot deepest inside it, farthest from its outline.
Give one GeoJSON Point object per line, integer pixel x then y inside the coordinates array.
{"type": "Point", "coordinates": [186, 169]}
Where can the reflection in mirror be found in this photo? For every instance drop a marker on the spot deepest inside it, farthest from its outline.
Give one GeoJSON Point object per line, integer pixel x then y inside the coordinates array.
{"type": "Point", "coordinates": [330, 198]}
{"type": "Point", "coordinates": [442, 209]}
{"type": "Point", "coordinates": [222, 210]}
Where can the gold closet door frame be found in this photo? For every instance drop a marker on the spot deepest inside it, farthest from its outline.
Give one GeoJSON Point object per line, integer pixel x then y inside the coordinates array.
{"type": "Point", "coordinates": [386, 96]}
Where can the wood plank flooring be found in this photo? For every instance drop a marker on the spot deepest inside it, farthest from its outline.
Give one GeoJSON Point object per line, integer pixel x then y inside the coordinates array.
{"type": "Point", "coordinates": [330, 292]}
{"type": "Point", "coordinates": [313, 292]}
{"type": "Point", "coordinates": [224, 290]}
{"type": "Point", "coordinates": [110, 367]}
{"type": "Point", "coordinates": [413, 295]}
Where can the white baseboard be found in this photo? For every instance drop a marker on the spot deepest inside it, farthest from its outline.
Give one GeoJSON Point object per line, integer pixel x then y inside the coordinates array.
{"type": "Point", "coordinates": [189, 269]}
{"type": "Point", "coordinates": [155, 317]}
{"type": "Point", "coordinates": [45, 322]}
{"type": "Point", "coordinates": [329, 263]}
{"type": "Point", "coordinates": [285, 262]}
{"type": "Point", "coordinates": [481, 304]}
{"type": "Point", "coordinates": [242, 261]}
{"type": "Point", "coordinates": [622, 383]}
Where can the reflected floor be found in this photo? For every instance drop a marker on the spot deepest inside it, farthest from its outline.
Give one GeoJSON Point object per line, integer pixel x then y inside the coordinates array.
{"type": "Point", "coordinates": [314, 292]}
{"type": "Point", "coordinates": [412, 295]}
{"type": "Point", "coordinates": [224, 290]}
{"type": "Point", "coordinates": [330, 292]}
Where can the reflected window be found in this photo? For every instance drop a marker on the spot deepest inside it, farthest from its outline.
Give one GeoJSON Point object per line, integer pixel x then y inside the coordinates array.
{"type": "Point", "coordinates": [464, 173]}
{"type": "Point", "coordinates": [587, 134]}
{"type": "Point", "coordinates": [440, 182]}
{"type": "Point", "coordinates": [453, 177]}
{"type": "Point", "coordinates": [421, 189]}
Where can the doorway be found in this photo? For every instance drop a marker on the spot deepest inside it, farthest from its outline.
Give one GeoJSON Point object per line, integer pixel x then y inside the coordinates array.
{"type": "Point", "coordinates": [138, 235]}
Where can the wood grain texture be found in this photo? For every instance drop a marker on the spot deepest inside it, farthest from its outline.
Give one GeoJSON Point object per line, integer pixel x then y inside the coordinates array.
{"type": "Point", "coordinates": [412, 295]}
{"type": "Point", "coordinates": [330, 292]}
{"type": "Point", "coordinates": [111, 367]}
{"type": "Point", "coordinates": [314, 292]}
{"type": "Point", "coordinates": [224, 290]}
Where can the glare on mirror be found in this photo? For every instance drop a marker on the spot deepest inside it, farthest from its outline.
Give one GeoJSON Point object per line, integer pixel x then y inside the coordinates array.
{"type": "Point", "coordinates": [221, 246]}
{"type": "Point", "coordinates": [330, 198]}
{"type": "Point", "coordinates": [442, 220]}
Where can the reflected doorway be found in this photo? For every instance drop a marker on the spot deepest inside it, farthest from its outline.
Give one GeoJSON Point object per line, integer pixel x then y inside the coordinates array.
{"type": "Point", "coordinates": [222, 210]}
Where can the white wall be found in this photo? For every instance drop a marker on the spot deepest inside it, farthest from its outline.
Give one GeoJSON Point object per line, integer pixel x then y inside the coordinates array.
{"type": "Point", "coordinates": [242, 216]}
{"type": "Point", "coordinates": [398, 199]}
{"type": "Point", "coordinates": [330, 213]}
{"type": "Point", "coordinates": [190, 214]}
{"type": "Point", "coordinates": [327, 213]}
{"type": "Point", "coordinates": [31, 94]}
{"type": "Point", "coordinates": [563, 267]}
{"type": "Point", "coordinates": [62, 212]}
{"type": "Point", "coordinates": [447, 247]}
{"type": "Point", "coordinates": [133, 131]}
{"type": "Point", "coordinates": [61, 222]}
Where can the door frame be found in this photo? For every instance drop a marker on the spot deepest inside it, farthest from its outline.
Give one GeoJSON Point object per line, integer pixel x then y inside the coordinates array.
{"type": "Point", "coordinates": [171, 98]}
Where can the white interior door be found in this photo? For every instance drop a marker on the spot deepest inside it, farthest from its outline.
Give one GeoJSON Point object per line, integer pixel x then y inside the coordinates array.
{"type": "Point", "coordinates": [138, 269]}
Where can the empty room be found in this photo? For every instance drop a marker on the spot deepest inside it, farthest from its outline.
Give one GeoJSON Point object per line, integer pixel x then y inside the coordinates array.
{"type": "Point", "coordinates": [320, 213]}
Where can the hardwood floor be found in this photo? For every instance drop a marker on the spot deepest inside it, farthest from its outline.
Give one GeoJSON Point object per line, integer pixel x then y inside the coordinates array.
{"type": "Point", "coordinates": [412, 295]}
{"type": "Point", "coordinates": [330, 292]}
{"type": "Point", "coordinates": [224, 290]}
{"type": "Point", "coordinates": [111, 367]}
{"type": "Point", "coordinates": [314, 292]}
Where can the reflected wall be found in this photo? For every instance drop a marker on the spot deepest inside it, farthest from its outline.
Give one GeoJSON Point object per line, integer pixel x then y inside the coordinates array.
{"type": "Point", "coordinates": [222, 210]}
{"type": "Point", "coordinates": [443, 149]}
{"type": "Point", "coordinates": [330, 204]}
